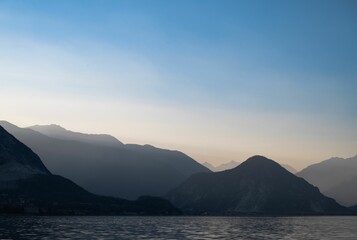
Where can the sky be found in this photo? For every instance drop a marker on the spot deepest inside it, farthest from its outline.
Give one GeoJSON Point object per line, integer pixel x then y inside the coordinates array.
{"type": "Point", "coordinates": [218, 80]}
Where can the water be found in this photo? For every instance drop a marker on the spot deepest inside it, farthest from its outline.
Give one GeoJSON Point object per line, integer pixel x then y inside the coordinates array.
{"type": "Point", "coordinates": [17, 227]}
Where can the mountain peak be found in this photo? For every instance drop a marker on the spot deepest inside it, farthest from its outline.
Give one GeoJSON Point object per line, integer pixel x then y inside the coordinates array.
{"type": "Point", "coordinates": [49, 128]}
{"type": "Point", "coordinates": [260, 162]}
{"type": "Point", "coordinates": [258, 158]}
{"type": "Point", "coordinates": [258, 185]}
{"type": "Point", "coordinates": [53, 126]}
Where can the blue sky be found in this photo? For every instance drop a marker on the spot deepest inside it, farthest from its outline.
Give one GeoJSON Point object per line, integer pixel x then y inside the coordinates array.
{"type": "Point", "coordinates": [284, 70]}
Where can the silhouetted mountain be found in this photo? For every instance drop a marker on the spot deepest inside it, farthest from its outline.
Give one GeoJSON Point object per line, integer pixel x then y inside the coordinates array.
{"type": "Point", "coordinates": [29, 187]}
{"type": "Point", "coordinates": [127, 171]}
{"type": "Point", "coordinates": [17, 161]}
{"type": "Point", "coordinates": [336, 178]}
{"type": "Point", "coordinates": [209, 166]}
{"type": "Point", "coordinates": [289, 168]}
{"type": "Point", "coordinates": [257, 186]}
{"type": "Point", "coordinates": [59, 132]}
{"type": "Point", "coordinates": [233, 164]}
{"type": "Point", "coordinates": [345, 193]}
{"type": "Point", "coordinates": [354, 208]}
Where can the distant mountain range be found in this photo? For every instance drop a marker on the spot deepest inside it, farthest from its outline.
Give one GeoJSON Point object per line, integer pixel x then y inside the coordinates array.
{"type": "Point", "coordinates": [233, 164]}
{"type": "Point", "coordinates": [222, 167]}
{"type": "Point", "coordinates": [336, 178]}
{"type": "Point", "coordinates": [257, 186]}
{"type": "Point", "coordinates": [58, 132]}
{"type": "Point", "coordinates": [105, 166]}
{"type": "Point", "coordinates": [289, 168]}
{"type": "Point", "coordinates": [26, 186]}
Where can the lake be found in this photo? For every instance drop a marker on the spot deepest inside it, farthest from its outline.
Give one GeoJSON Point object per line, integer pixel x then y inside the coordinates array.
{"type": "Point", "coordinates": [29, 227]}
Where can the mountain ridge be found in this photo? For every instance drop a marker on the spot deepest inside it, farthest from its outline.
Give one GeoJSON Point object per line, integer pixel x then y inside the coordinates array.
{"type": "Point", "coordinates": [336, 177]}
{"type": "Point", "coordinates": [59, 132]}
{"type": "Point", "coordinates": [40, 192]}
{"type": "Point", "coordinates": [121, 170]}
{"type": "Point", "coordinates": [257, 186]}
{"type": "Point", "coordinates": [17, 161]}
{"type": "Point", "coordinates": [233, 164]}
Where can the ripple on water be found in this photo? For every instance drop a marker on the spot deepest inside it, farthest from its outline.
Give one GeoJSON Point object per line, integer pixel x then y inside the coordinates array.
{"type": "Point", "coordinates": [108, 228]}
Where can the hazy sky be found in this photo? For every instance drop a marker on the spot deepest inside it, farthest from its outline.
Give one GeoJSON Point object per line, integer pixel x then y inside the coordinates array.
{"type": "Point", "coordinates": [219, 80]}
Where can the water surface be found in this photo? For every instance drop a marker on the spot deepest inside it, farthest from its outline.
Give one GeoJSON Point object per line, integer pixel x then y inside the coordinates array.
{"type": "Point", "coordinates": [105, 228]}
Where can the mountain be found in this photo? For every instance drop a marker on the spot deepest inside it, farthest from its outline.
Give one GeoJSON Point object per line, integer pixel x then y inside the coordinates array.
{"type": "Point", "coordinates": [17, 161]}
{"type": "Point", "coordinates": [257, 186]}
{"type": "Point", "coordinates": [335, 177]}
{"type": "Point", "coordinates": [226, 166]}
{"type": "Point", "coordinates": [222, 167]}
{"type": "Point", "coordinates": [354, 208]}
{"type": "Point", "coordinates": [127, 171]}
{"type": "Point", "coordinates": [289, 168]}
{"type": "Point", "coordinates": [233, 164]}
{"type": "Point", "coordinates": [27, 186]}
{"type": "Point", "coordinates": [345, 193]}
{"type": "Point", "coordinates": [59, 132]}
{"type": "Point", "coordinates": [209, 166]}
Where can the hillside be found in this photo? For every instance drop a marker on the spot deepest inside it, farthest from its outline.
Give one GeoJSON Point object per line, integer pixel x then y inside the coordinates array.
{"type": "Point", "coordinates": [335, 177]}
{"type": "Point", "coordinates": [257, 186]}
{"type": "Point", "coordinates": [30, 188]}
{"type": "Point", "coordinates": [127, 171]}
